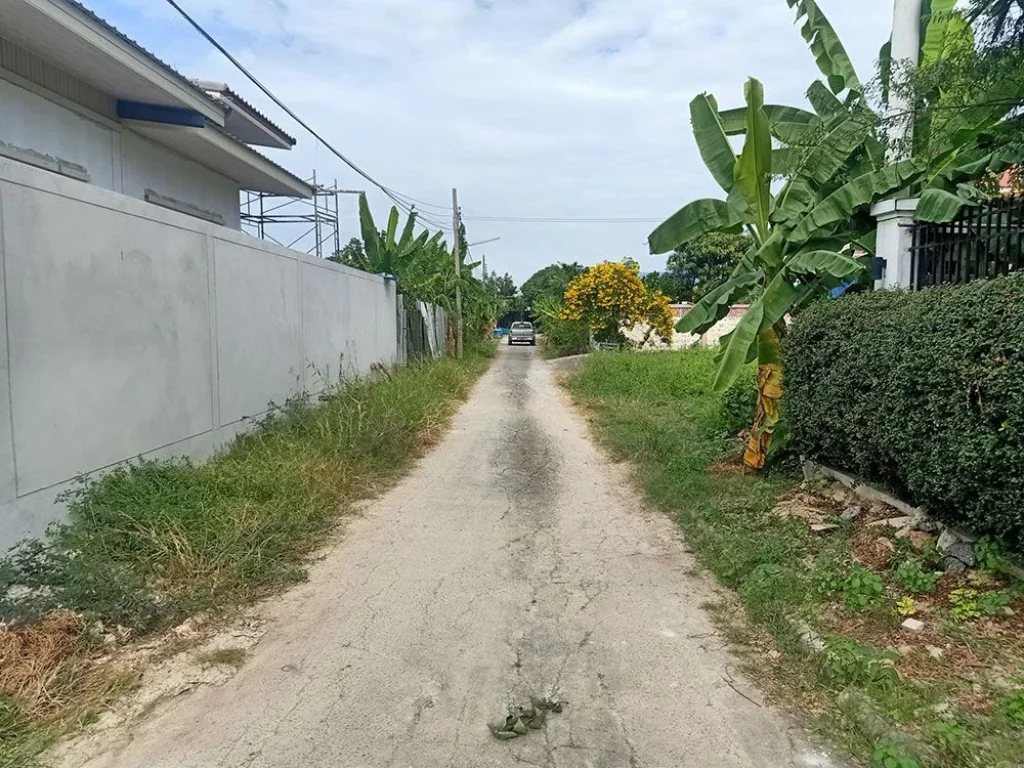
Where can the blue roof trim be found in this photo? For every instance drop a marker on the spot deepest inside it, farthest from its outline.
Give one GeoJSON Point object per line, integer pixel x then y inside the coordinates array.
{"type": "Point", "coordinates": [157, 113]}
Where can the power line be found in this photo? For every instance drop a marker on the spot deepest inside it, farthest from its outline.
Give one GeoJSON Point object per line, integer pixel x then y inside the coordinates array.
{"type": "Point", "coordinates": [391, 194]}
{"type": "Point", "coordinates": [564, 220]}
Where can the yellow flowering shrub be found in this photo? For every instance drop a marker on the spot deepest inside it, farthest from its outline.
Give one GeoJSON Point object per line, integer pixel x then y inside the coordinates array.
{"type": "Point", "coordinates": [611, 295]}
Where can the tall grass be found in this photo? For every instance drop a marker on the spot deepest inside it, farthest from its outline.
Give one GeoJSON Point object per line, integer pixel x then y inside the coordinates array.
{"type": "Point", "coordinates": [155, 541]}
{"type": "Point", "coordinates": [658, 411]}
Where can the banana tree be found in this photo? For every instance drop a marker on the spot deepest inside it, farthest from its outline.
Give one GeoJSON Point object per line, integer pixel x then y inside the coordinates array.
{"type": "Point", "coordinates": [387, 253]}
{"type": "Point", "coordinates": [798, 238]}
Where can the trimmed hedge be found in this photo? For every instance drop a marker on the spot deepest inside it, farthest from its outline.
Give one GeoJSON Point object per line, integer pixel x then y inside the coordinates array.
{"type": "Point", "coordinates": [922, 392]}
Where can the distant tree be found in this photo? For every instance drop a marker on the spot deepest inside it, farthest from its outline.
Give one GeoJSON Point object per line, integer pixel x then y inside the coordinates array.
{"type": "Point", "coordinates": [550, 282]}
{"type": "Point", "coordinates": [707, 261]}
{"type": "Point", "coordinates": [678, 286]}
{"type": "Point", "coordinates": [352, 255]}
{"type": "Point", "coordinates": [501, 286]}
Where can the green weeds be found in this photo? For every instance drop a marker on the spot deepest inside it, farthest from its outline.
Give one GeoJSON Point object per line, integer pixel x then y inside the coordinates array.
{"type": "Point", "coordinates": [153, 542]}
{"type": "Point", "coordinates": [894, 698]}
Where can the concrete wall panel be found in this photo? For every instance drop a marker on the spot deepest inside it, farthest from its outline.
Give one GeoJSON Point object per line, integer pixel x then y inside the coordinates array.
{"type": "Point", "coordinates": [258, 332]}
{"type": "Point", "coordinates": [108, 328]}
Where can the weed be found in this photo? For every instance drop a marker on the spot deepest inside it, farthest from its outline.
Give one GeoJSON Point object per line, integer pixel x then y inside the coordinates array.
{"type": "Point", "coordinates": [1011, 707]}
{"type": "Point", "coordinates": [155, 541]}
{"type": "Point", "coordinates": [846, 662]}
{"type": "Point", "coordinates": [990, 556]}
{"type": "Point", "coordinates": [658, 410]}
{"type": "Point", "coordinates": [863, 589]}
{"type": "Point", "coordinates": [994, 603]}
{"type": "Point", "coordinates": [950, 734]}
{"type": "Point", "coordinates": [910, 576]}
{"type": "Point", "coordinates": [889, 753]}
{"type": "Point", "coordinates": [906, 606]}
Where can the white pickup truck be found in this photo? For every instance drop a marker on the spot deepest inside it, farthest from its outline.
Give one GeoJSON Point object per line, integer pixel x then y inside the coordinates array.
{"type": "Point", "coordinates": [522, 333]}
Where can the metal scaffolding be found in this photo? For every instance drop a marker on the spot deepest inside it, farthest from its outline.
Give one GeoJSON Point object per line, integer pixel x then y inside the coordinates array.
{"type": "Point", "coordinates": [312, 226]}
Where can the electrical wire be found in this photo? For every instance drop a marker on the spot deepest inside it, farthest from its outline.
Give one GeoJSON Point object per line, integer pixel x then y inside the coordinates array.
{"type": "Point", "coordinates": [406, 203]}
{"type": "Point", "coordinates": [391, 194]}
{"type": "Point", "coordinates": [562, 220]}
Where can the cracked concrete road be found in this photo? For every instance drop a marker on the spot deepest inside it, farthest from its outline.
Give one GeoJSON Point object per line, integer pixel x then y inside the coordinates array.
{"type": "Point", "coordinates": [515, 560]}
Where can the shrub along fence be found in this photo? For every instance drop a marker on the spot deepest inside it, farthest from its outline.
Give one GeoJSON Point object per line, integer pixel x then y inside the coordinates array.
{"type": "Point", "coordinates": [922, 392]}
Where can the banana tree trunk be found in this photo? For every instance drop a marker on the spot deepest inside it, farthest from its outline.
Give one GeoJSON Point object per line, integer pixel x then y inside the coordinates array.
{"type": "Point", "coordinates": [769, 394]}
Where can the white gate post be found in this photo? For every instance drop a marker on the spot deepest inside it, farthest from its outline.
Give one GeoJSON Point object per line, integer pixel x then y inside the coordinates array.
{"type": "Point", "coordinates": [895, 239]}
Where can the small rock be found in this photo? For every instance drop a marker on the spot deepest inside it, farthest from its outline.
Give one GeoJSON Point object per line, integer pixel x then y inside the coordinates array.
{"type": "Point", "coordinates": [948, 539]}
{"type": "Point", "coordinates": [905, 650]}
{"type": "Point", "coordinates": [811, 639]}
{"type": "Point", "coordinates": [774, 655]}
{"type": "Point", "coordinates": [822, 528]}
{"type": "Point", "coordinates": [960, 557]}
{"type": "Point", "coordinates": [913, 625]}
{"type": "Point", "coordinates": [893, 522]}
{"type": "Point", "coordinates": [934, 652]}
{"type": "Point", "coordinates": [852, 512]}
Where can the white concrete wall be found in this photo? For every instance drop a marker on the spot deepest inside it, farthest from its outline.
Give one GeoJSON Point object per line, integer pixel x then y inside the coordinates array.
{"type": "Point", "coordinates": [115, 157]}
{"type": "Point", "coordinates": [130, 330]}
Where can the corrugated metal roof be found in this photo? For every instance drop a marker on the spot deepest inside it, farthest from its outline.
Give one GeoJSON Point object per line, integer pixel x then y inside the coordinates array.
{"type": "Point", "coordinates": [234, 99]}
{"type": "Point", "coordinates": [151, 56]}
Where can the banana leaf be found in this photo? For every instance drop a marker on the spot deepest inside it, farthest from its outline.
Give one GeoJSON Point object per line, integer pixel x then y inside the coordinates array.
{"type": "Point", "coordinates": [715, 305]}
{"type": "Point", "coordinates": [693, 220]}
{"type": "Point", "coordinates": [754, 169]}
{"type": "Point", "coordinates": [712, 142]}
{"type": "Point", "coordinates": [842, 203]}
{"type": "Point", "coordinates": [828, 50]}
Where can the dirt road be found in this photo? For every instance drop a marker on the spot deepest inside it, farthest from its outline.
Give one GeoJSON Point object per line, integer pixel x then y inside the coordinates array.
{"type": "Point", "coordinates": [514, 561]}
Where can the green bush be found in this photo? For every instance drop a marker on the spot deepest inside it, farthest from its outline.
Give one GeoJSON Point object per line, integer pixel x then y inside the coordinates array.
{"type": "Point", "coordinates": [563, 338]}
{"type": "Point", "coordinates": [739, 400]}
{"type": "Point", "coordinates": [922, 392]}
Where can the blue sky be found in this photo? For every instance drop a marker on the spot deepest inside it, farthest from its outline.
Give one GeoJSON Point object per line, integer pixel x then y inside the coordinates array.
{"type": "Point", "coordinates": [568, 108]}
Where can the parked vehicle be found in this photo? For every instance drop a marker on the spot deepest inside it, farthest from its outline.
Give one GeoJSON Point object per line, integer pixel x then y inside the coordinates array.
{"type": "Point", "coordinates": [522, 333]}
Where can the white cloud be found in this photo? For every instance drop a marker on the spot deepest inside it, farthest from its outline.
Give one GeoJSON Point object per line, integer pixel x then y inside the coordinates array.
{"type": "Point", "coordinates": [531, 107]}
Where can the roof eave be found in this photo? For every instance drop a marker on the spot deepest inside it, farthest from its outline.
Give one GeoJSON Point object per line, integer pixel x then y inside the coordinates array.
{"type": "Point", "coordinates": [100, 36]}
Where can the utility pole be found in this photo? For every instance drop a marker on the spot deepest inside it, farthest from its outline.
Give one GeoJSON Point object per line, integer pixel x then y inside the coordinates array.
{"type": "Point", "coordinates": [458, 272]}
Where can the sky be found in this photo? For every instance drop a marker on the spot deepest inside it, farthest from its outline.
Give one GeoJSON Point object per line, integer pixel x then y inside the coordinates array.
{"type": "Point", "coordinates": [531, 108]}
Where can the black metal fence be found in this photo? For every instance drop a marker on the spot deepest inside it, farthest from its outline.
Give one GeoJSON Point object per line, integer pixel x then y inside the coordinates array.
{"type": "Point", "coordinates": [984, 241]}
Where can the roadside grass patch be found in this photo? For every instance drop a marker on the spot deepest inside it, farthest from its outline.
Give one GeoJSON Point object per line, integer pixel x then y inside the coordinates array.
{"type": "Point", "coordinates": [823, 613]}
{"type": "Point", "coordinates": [151, 543]}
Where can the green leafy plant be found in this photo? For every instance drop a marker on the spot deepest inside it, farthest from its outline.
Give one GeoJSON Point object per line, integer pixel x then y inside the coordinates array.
{"type": "Point", "coordinates": [910, 576]}
{"type": "Point", "coordinates": [965, 604]}
{"type": "Point", "coordinates": [1011, 707]}
{"type": "Point", "coordinates": [890, 753]}
{"type": "Point", "coordinates": [994, 603]}
{"type": "Point", "coordinates": [906, 606]}
{"type": "Point", "coordinates": [990, 556]}
{"type": "Point", "coordinates": [847, 662]}
{"type": "Point", "coordinates": [863, 589]}
{"type": "Point", "coordinates": [950, 734]}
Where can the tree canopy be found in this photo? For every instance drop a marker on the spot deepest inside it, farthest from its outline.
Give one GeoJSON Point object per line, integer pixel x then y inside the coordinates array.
{"type": "Point", "coordinates": [550, 282]}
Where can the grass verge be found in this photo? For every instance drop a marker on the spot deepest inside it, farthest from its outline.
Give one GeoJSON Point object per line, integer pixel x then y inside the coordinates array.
{"type": "Point", "coordinates": [156, 541]}
{"type": "Point", "coordinates": [823, 616]}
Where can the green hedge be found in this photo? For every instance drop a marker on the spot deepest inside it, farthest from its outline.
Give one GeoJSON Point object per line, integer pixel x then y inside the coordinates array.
{"type": "Point", "coordinates": [922, 392]}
